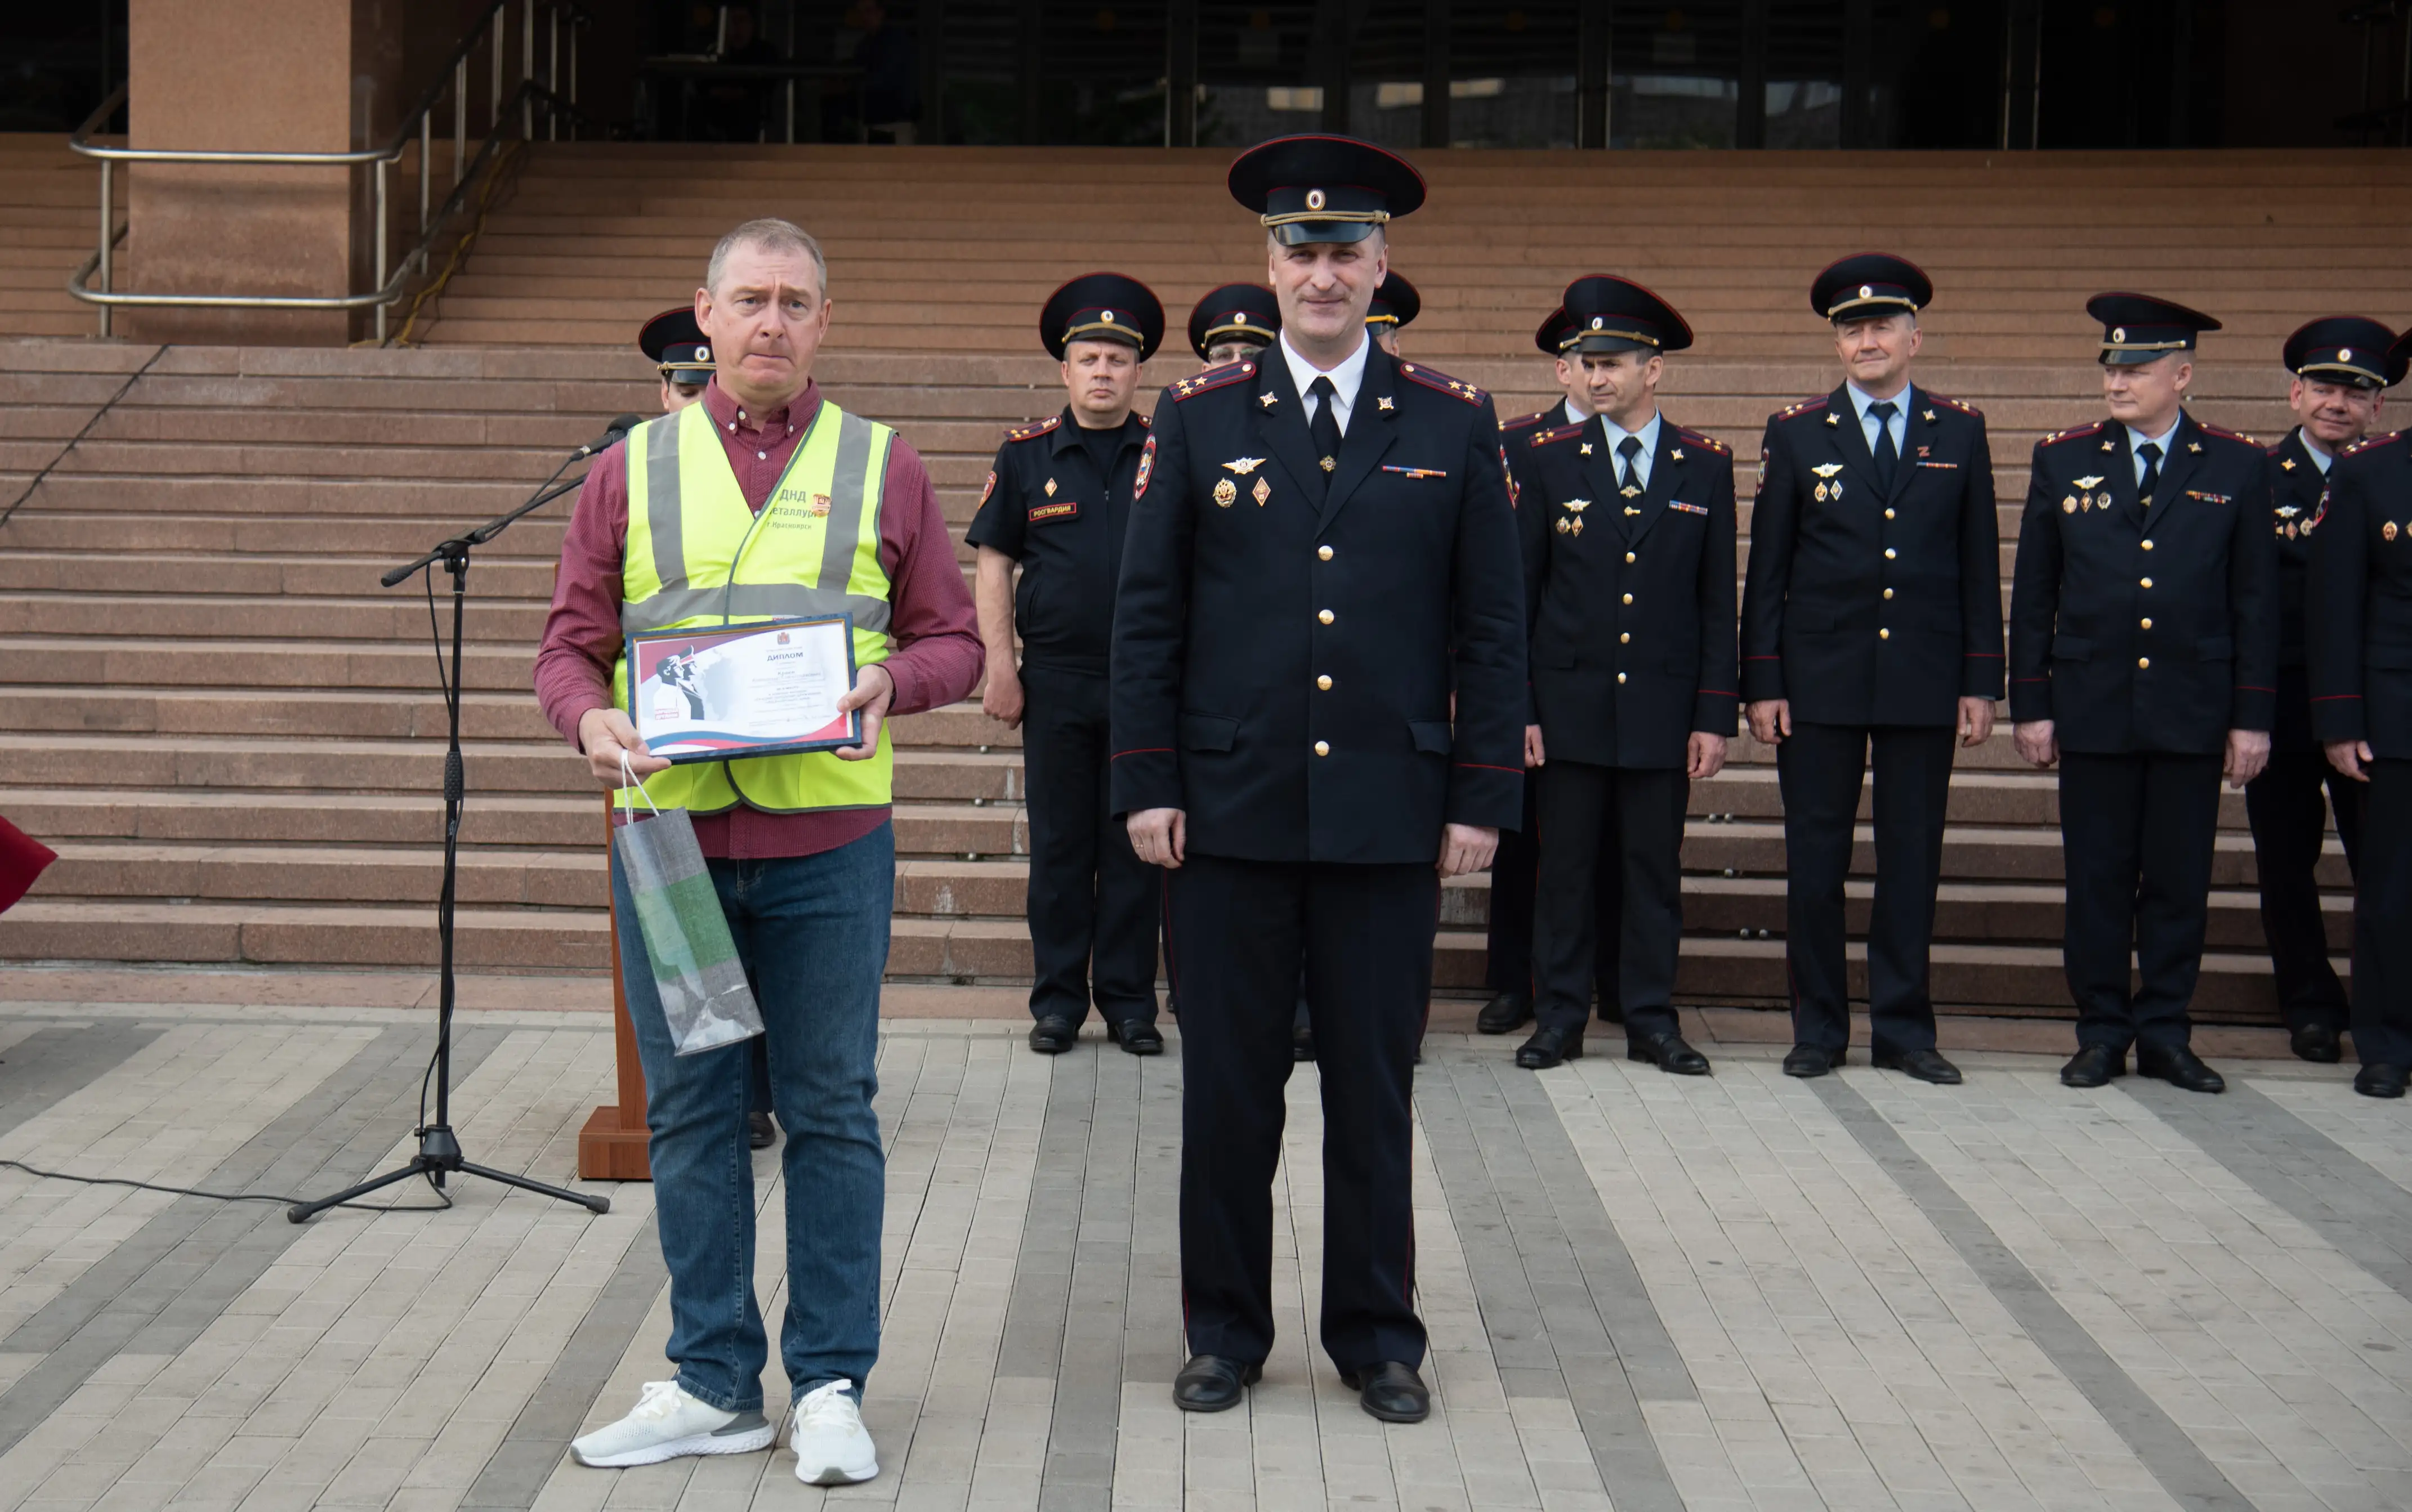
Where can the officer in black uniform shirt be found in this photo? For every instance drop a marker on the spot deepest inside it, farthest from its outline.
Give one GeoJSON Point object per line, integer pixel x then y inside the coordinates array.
{"type": "Point", "coordinates": [1508, 969]}
{"type": "Point", "coordinates": [1057, 503]}
{"type": "Point", "coordinates": [1628, 545]}
{"type": "Point", "coordinates": [1396, 303]}
{"type": "Point", "coordinates": [680, 352]}
{"type": "Point", "coordinates": [2341, 371]}
{"type": "Point", "coordinates": [2361, 626]}
{"type": "Point", "coordinates": [1322, 552]}
{"type": "Point", "coordinates": [1871, 633]}
{"type": "Point", "coordinates": [1233, 323]}
{"type": "Point", "coordinates": [2144, 661]}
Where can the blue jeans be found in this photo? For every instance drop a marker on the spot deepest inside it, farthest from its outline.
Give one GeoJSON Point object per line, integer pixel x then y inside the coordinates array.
{"type": "Point", "coordinates": [813, 933]}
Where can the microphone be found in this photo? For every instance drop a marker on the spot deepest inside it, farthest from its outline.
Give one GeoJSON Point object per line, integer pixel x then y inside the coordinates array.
{"type": "Point", "coordinates": [617, 432]}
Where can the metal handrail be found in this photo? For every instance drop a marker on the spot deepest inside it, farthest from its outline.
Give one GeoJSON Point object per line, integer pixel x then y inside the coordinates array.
{"type": "Point", "coordinates": [418, 123]}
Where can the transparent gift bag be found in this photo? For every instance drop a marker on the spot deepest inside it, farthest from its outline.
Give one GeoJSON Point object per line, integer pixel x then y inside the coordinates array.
{"type": "Point", "coordinates": [693, 959]}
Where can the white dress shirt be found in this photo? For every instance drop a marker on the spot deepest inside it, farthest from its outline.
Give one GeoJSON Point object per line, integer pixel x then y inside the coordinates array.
{"type": "Point", "coordinates": [2321, 456]}
{"type": "Point", "coordinates": [1574, 415]}
{"type": "Point", "coordinates": [1899, 424]}
{"type": "Point", "coordinates": [1345, 379]}
{"type": "Point", "coordinates": [2136, 442]}
{"type": "Point", "coordinates": [1647, 435]}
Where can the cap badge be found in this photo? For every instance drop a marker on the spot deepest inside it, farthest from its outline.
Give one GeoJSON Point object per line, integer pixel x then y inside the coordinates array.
{"type": "Point", "coordinates": [1225, 491]}
{"type": "Point", "coordinates": [1597, 322]}
{"type": "Point", "coordinates": [1867, 291]}
{"type": "Point", "coordinates": [1315, 199]}
{"type": "Point", "coordinates": [2118, 333]}
{"type": "Point", "coordinates": [2345, 354]}
{"type": "Point", "coordinates": [1105, 316]}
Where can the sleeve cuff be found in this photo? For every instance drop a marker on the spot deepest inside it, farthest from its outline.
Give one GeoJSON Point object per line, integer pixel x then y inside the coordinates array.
{"type": "Point", "coordinates": [1763, 678]}
{"type": "Point", "coordinates": [1713, 712]}
{"type": "Point", "coordinates": [1145, 777]}
{"type": "Point", "coordinates": [2338, 717]}
{"type": "Point", "coordinates": [2030, 700]}
{"type": "Point", "coordinates": [2254, 709]}
{"type": "Point", "coordinates": [1487, 798]}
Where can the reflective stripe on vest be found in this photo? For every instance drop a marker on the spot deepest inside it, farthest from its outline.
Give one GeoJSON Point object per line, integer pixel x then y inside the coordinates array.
{"type": "Point", "coordinates": [695, 555]}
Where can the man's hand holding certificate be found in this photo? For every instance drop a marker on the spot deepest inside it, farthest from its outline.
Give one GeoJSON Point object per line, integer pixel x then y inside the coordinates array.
{"type": "Point", "coordinates": [770, 688]}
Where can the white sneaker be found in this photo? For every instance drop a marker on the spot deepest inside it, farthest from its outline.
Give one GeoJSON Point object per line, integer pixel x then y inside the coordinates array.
{"type": "Point", "coordinates": [668, 1423]}
{"type": "Point", "coordinates": [833, 1447]}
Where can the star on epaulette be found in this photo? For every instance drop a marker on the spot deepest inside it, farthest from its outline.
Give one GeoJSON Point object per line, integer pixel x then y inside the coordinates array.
{"type": "Point", "coordinates": [1949, 403]}
{"type": "Point", "coordinates": [1440, 382]}
{"type": "Point", "coordinates": [1701, 439]}
{"type": "Point", "coordinates": [1222, 375]}
{"type": "Point", "coordinates": [1034, 428]}
{"type": "Point", "coordinates": [1522, 420]}
{"type": "Point", "coordinates": [1563, 432]}
{"type": "Point", "coordinates": [1801, 408]}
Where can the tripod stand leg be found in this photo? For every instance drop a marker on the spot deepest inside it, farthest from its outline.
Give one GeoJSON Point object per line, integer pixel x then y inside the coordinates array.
{"type": "Point", "coordinates": [302, 1212]}
{"type": "Point", "coordinates": [597, 1205]}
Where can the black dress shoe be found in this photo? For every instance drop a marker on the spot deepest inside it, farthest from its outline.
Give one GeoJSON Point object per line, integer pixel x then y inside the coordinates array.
{"type": "Point", "coordinates": [1053, 1034]}
{"type": "Point", "coordinates": [1391, 1391]}
{"type": "Point", "coordinates": [1302, 1043]}
{"type": "Point", "coordinates": [1925, 1065]}
{"type": "Point", "coordinates": [1549, 1047]}
{"type": "Point", "coordinates": [1811, 1059]}
{"type": "Point", "coordinates": [758, 1133]}
{"type": "Point", "coordinates": [2094, 1065]}
{"type": "Point", "coordinates": [2381, 1080]}
{"type": "Point", "coordinates": [1508, 1011]}
{"type": "Point", "coordinates": [2178, 1066]}
{"type": "Point", "coordinates": [1137, 1037]}
{"type": "Point", "coordinates": [1210, 1383]}
{"type": "Point", "coordinates": [1671, 1054]}
{"type": "Point", "coordinates": [2316, 1043]}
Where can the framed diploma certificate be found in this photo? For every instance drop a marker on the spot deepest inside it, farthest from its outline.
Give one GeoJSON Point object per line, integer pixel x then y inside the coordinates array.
{"type": "Point", "coordinates": [769, 688]}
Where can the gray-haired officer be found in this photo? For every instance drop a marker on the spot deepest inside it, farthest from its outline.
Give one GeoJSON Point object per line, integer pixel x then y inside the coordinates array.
{"type": "Point", "coordinates": [1056, 506]}
{"type": "Point", "coordinates": [1629, 544]}
{"type": "Point", "coordinates": [1508, 956]}
{"type": "Point", "coordinates": [2342, 371]}
{"type": "Point", "coordinates": [2361, 710]}
{"type": "Point", "coordinates": [1233, 323]}
{"type": "Point", "coordinates": [1396, 303]}
{"type": "Point", "coordinates": [1321, 553]}
{"type": "Point", "coordinates": [1871, 634]}
{"type": "Point", "coordinates": [680, 352]}
{"type": "Point", "coordinates": [2143, 661]}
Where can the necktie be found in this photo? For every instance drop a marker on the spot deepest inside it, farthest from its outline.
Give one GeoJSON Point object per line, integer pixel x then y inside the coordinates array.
{"type": "Point", "coordinates": [1888, 455]}
{"type": "Point", "coordinates": [1629, 482]}
{"type": "Point", "coordinates": [2151, 455]}
{"type": "Point", "coordinates": [1325, 427]}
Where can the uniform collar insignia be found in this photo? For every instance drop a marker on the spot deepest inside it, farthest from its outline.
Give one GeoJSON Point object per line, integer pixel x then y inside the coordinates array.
{"type": "Point", "coordinates": [1586, 448]}
{"type": "Point", "coordinates": [1244, 465]}
{"type": "Point", "coordinates": [2194, 445]}
{"type": "Point", "coordinates": [1832, 418]}
{"type": "Point", "coordinates": [1827, 469]}
{"type": "Point", "coordinates": [1382, 403]}
{"type": "Point", "coordinates": [2109, 446]}
{"type": "Point", "coordinates": [1268, 400]}
{"type": "Point", "coordinates": [1676, 455]}
{"type": "Point", "coordinates": [2286, 463]}
{"type": "Point", "coordinates": [1929, 416]}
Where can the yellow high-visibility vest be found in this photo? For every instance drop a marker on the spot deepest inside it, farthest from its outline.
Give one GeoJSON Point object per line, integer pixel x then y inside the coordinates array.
{"type": "Point", "coordinates": [697, 556]}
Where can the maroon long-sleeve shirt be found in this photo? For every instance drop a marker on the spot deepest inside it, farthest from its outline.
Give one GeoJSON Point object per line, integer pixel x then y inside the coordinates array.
{"type": "Point", "coordinates": [936, 660]}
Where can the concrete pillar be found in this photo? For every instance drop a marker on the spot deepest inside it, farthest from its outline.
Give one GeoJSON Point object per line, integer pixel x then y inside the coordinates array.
{"type": "Point", "coordinates": [264, 76]}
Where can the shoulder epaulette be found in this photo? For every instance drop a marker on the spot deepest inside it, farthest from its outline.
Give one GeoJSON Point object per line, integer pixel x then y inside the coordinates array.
{"type": "Point", "coordinates": [1804, 407]}
{"type": "Point", "coordinates": [1521, 421]}
{"type": "Point", "coordinates": [1221, 376]}
{"type": "Point", "coordinates": [1441, 382]}
{"type": "Point", "coordinates": [2226, 434]}
{"type": "Point", "coordinates": [1949, 403]}
{"type": "Point", "coordinates": [2371, 443]}
{"type": "Point", "coordinates": [1034, 429]}
{"type": "Point", "coordinates": [1563, 432]}
{"type": "Point", "coordinates": [1694, 438]}
{"type": "Point", "coordinates": [2072, 433]}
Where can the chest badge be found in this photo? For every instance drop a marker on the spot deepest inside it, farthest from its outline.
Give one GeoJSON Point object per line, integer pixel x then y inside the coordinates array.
{"type": "Point", "coordinates": [2387, 532]}
{"type": "Point", "coordinates": [2068, 505]}
{"type": "Point", "coordinates": [1244, 465]}
{"type": "Point", "coordinates": [1577, 505]}
{"type": "Point", "coordinates": [1050, 487]}
{"type": "Point", "coordinates": [1225, 491]}
{"type": "Point", "coordinates": [1827, 469]}
{"type": "Point", "coordinates": [820, 505]}
{"type": "Point", "coordinates": [2288, 511]}
{"type": "Point", "coordinates": [1262, 492]}
{"type": "Point", "coordinates": [1629, 491]}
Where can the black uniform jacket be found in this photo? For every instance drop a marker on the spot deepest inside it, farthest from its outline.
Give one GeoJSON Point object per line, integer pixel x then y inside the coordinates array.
{"type": "Point", "coordinates": [1240, 598]}
{"type": "Point", "coordinates": [2361, 597]}
{"type": "Point", "coordinates": [1867, 605]}
{"type": "Point", "coordinates": [1631, 601]}
{"type": "Point", "coordinates": [1046, 507]}
{"type": "Point", "coordinates": [2145, 630]}
{"type": "Point", "coordinates": [1514, 454]}
{"type": "Point", "coordinates": [2296, 482]}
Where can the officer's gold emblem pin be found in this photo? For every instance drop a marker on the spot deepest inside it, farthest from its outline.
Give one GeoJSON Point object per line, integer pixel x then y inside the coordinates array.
{"type": "Point", "coordinates": [1676, 455]}
{"type": "Point", "coordinates": [2068, 505]}
{"type": "Point", "coordinates": [1382, 403]}
{"type": "Point", "coordinates": [1586, 448]}
{"type": "Point", "coordinates": [1827, 469]}
{"type": "Point", "coordinates": [1577, 505]}
{"type": "Point", "coordinates": [1050, 487]}
{"type": "Point", "coordinates": [1818, 492]}
{"type": "Point", "coordinates": [1244, 465]}
{"type": "Point", "coordinates": [1629, 492]}
{"type": "Point", "coordinates": [1225, 491]}
{"type": "Point", "coordinates": [1262, 492]}
{"type": "Point", "coordinates": [1929, 416]}
{"type": "Point", "coordinates": [2286, 463]}
{"type": "Point", "coordinates": [1326, 464]}
{"type": "Point", "coordinates": [2089, 482]}
{"type": "Point", "coordinates": [1268, 400]}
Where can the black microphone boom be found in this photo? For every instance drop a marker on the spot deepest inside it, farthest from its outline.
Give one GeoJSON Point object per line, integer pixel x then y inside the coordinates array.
{"type": "Point", "coordinates": [546, 493]}
{"type": "Point", "coordinates": [617, 432]}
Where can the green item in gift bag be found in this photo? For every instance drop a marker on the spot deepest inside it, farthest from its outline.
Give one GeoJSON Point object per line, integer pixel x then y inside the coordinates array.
{"type": "Point", "coordinates": [689, 948]}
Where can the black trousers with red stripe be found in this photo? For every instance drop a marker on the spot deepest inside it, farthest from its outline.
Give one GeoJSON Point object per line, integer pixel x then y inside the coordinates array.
{"type": "Point", "coordinates": [1239, 931]}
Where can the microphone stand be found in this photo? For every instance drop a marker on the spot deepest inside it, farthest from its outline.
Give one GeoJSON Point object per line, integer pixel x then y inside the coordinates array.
{"type": "Point", "coordinates": [440, 1149]}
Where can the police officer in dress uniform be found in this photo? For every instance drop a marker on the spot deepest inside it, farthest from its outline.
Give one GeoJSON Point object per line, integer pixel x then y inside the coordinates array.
{"type": "Point", "coordinates": [2341, 371]}
{"type": "Point", "coordinates": [1233, 323]}
{"type": "Point", "coordinates": [1395, 304]}
{"type": "Point", "coordinates": [1056, 504]}
{"type": "Point", "coordinates": [2361, 625]}
{"type": "Point", "coordinates": [1629, 544]}
{"type": "Point", "coordinates": [680, 352]}
{"type": "Point", "coordinates": [2144, 661]}
{"type": "Point", "coordinates": [1515, 872]}
{"type": "Point", "coordinates": [1871, 634]}
{"type": "Point", "coordinates": [1321, 551]}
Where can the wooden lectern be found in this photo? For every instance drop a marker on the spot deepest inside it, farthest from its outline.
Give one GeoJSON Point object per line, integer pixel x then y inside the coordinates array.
{"type": "Point", "coordinates": [612, 1146]}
